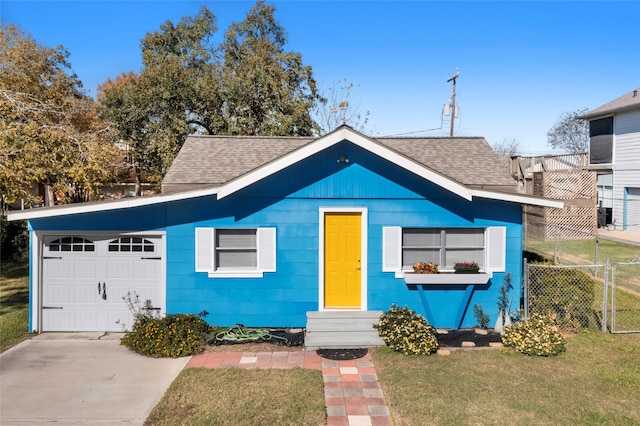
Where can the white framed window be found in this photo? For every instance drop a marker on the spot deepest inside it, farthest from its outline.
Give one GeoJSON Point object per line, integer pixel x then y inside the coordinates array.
{"type": "Point", "coordinates": [235, 252]}
{"type": "Point", "coordinates": [402, 247]}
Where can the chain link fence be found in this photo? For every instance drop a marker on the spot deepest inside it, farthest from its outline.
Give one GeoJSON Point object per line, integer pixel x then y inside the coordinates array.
{"type": "Point", "coordinates": [592, 297]}
{"type": "Point", "coordinates": [589, 282]}
{"type": "Point", "coordinates": [570, 293]}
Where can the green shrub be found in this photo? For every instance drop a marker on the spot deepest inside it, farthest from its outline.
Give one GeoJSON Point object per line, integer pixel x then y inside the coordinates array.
{"type": "Point", "coordinates": [14, 239]}
{"type": "Point", "coordinates": [402, 330]}
{"type": "Point", "coordinates": [481, 316]}
{"type": "Point", "coordinates": [568, 294]}
{"type": "Point", "coordinates": [171, 336]}
{"type": "Point", "coordinates": [537, 335]}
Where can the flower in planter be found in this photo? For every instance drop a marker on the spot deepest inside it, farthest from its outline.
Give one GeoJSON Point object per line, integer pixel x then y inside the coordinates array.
{"type": "Point", "coordinates": [466, 267]}
{"type": "Point", "coordinates": [425, 268]}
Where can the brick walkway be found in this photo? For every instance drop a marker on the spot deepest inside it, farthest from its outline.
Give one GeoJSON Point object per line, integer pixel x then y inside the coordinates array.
{"type": "Point", "coordinates": [352, 393]}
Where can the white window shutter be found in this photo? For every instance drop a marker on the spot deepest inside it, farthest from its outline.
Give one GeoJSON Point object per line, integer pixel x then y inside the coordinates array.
{"type": "Point", "coordinates": [267, 249]}
{"type": "Point", "coordinates": [391, 249]}
{"type": "Point", "coordinates": [496, 246]}
{"type": "Point", "coordinates": [204, 250]}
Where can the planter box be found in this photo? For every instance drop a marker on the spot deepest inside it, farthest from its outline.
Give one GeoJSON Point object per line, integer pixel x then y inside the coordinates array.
{"type": "Point", "coordinates": [446, 278]}
{"type": "Point", "coordinates": [467, 271]}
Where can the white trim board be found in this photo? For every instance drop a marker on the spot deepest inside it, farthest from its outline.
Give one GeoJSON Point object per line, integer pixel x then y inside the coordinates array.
{"type": "Point", "coordinates": [364, 248]}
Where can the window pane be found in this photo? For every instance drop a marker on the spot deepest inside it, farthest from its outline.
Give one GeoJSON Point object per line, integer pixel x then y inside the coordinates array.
{"type": "Point", "coordinates": [236, 238]}
{"type": "Point", "coordinates": [464, 255]}
{"type": "Point", "coordinates": [601, 149]}
{"type": "Point", "coordinates": [465, 237]}
{"type": "Point", "coordinates": [411, 256]}
{"type": "Point", "coordinates": [236, 249]}
{"type": "Point", "coordinates": [420, 237]}
{"type": "Point", "coordinates": [604, 126]}
{"type": "Point", "coordinates": [237, 259]}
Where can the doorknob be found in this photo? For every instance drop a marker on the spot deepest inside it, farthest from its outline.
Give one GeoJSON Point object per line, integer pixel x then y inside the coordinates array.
{"type": "Point", "coordinates": [104, 291]}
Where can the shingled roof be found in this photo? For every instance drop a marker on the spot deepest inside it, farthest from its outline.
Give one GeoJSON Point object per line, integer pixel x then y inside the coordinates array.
{"type": "Point", "coordinates": [208, 161]}
{"type": "Point", "coordinates": [625, 102]}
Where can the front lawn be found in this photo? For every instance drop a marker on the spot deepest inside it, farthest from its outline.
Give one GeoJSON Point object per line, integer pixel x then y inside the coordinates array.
{"type": "Point", "coordinates": [14, 304]}
{"type": "Point", "coordinates": [597, 381]}
{"type": "Point", "coordinates": [235, 396]}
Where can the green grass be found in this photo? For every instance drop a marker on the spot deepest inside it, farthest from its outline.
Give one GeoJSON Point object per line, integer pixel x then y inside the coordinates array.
{"type": "Point", "coordinates": [583, 252]}
{"type": "Point", "coordinates": [14, 304]}
{"type": "Point", "coordinates": [234, 396]}
{"type": "Point", "coordinates": [597, 381]}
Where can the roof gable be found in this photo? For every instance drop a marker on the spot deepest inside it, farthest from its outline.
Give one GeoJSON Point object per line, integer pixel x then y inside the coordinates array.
{"type": "Point", "coordinates": [343, 133]}
{"type": "Point", "coordinates": [630, 100]}
{"type": "Point", "coordinates": [217, 161]}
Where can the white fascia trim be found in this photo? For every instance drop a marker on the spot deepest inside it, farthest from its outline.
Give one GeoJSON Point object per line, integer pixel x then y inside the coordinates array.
{"type": "Point", "coordinates": [518, 198]}
{"type": "Point", "coordinates": [69, 209]}
{"type": "Point", "coordinates": [331, 139]}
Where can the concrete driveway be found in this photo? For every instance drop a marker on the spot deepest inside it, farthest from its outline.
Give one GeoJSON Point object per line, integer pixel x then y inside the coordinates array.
{"type": "Point", "coordinates": [81, 378]}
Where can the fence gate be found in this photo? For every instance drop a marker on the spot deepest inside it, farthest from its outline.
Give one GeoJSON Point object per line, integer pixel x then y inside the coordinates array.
{"type": "Point", "coordinates": [624, 295]}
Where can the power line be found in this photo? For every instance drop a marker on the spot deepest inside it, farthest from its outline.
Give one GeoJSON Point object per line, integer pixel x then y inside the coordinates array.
{"type": "Point", "coordinates": [412, 133]}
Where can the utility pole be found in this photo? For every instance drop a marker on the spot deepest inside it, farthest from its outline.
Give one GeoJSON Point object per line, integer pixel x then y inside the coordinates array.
{"type": "Point", "coordinates": [453, 100]}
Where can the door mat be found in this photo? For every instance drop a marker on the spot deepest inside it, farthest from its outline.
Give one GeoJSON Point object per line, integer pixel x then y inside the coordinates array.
{"type": "Point", "coordinates": [342, 354]}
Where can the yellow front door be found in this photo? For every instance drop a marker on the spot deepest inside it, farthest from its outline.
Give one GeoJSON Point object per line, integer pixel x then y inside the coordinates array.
{"type": "Point", "coordinates": [342, 260]}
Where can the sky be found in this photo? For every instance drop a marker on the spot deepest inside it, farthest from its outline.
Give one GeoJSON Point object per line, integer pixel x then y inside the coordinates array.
{"type": "Point", "coordinates": [521, 64]}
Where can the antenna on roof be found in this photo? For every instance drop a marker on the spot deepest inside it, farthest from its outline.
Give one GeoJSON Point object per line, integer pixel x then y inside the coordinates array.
{"type": "Point", "coordinates": [450, 107]}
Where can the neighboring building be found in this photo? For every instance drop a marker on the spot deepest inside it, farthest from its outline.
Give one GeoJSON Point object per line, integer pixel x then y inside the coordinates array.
{"type": "Point", "coordinates": [614, 153]}
{"type": "Point", "coordinates": [563, 177]}
{"type": "Point", "coordinates": [289, 232]}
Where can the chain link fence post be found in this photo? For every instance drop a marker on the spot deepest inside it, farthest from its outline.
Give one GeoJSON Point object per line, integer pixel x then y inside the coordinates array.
{"type": "Point", "coordinates": [525, 285]}
{"type": "Point", "coordinates": [605, 293]}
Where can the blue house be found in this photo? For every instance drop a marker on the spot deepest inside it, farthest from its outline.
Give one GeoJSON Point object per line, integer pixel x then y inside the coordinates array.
{"type": "Point", "coordinates": [315, 233]}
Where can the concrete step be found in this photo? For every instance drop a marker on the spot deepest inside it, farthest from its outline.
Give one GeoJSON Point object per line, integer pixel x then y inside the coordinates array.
{"type": "Point", "coordinates": [342, 330]}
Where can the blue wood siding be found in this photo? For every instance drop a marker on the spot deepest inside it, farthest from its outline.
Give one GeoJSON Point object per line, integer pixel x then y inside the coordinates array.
{"type": "Point", "coordinates": [290, 201]}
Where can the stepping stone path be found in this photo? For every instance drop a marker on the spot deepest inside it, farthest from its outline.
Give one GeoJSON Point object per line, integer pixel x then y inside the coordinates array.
{"type": "Point", "coordinates": [352, 393]}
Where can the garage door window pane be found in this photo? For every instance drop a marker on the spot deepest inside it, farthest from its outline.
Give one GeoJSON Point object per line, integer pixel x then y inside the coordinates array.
{"type": "Point", "coordinates": [131, 244]}
{"type": "Point", "coordinates": [76, 244]}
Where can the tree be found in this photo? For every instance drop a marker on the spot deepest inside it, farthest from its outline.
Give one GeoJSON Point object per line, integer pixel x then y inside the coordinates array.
{"type": "Point", "coordinates": [249, 85]}
{"type": "Point", "coordinates": [506, 150]}
{"type": "Point", "coordinates": [51, 132]}
{"type": "Point", "coordinates": [337, 108]}
{"type": "Point", "coordinates": [570, 132]}
{"type": "Point", "coordinates": [175, 94]}
{"type": "Point", "coordinates": [123, 105]}
{"type": "Point", "coordinates": [267, 90]}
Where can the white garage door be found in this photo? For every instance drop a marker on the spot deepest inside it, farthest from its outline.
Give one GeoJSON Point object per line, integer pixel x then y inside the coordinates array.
{"type": "Point", "coordinates": [86, 278]}
{"type": "Point", "coordinates": [633, 209]}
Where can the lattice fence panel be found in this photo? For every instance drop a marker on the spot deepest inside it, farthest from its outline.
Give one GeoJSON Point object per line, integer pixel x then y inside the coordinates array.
{"type": "Point", "coordinates": [566, 185]}
{"type": "Point", "coordinates": [578, 219]}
